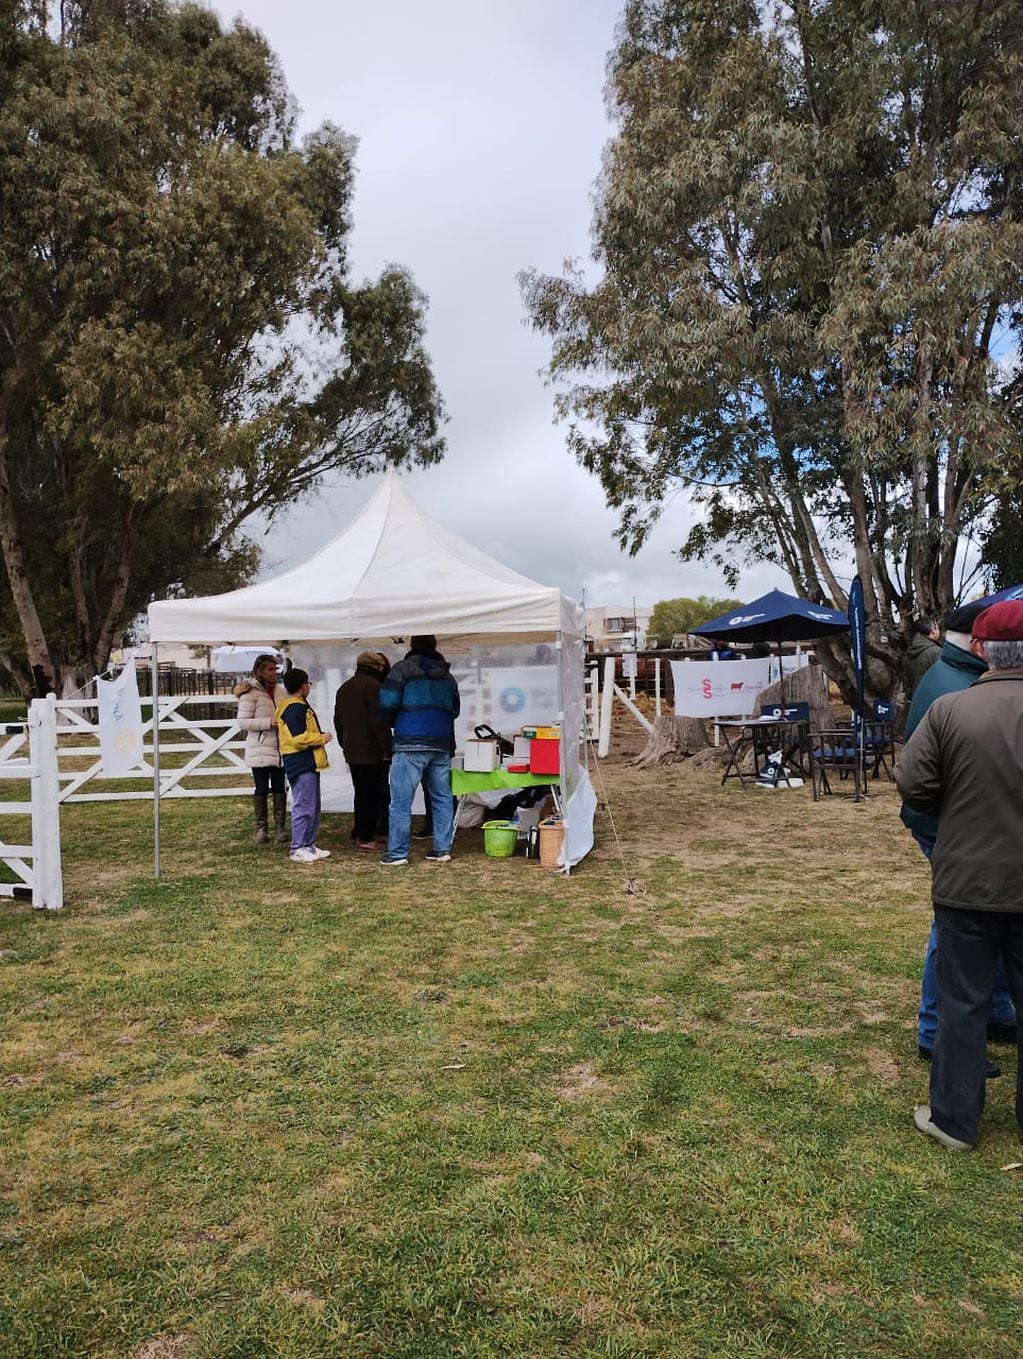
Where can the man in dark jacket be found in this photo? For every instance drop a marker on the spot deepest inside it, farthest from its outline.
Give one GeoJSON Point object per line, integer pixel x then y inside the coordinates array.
{"type": "Point", "coordinates": [957, 668]}
{"type": "Point", "coordinates": [366, 741]}
{"type": "Point", "coordinates": [964, 764]}
{"type": "Point", "coordinates": [419, 698]}
{"type": "Point", "coordinates": [923, 651]}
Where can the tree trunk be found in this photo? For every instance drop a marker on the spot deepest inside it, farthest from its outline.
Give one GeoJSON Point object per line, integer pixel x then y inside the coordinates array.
{"type": "Point", "coordinates": [883, 671]}
{"type": "Point", "coordinates": [672, 740]}
{"type": "Point", "coordinates": [44, 676]}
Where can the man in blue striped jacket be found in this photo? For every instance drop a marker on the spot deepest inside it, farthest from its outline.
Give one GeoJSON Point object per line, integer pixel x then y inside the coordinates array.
{"type": "Point", "coordinates": [419, 698]}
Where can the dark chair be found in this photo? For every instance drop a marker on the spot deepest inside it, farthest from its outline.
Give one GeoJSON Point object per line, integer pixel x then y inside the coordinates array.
{"type": "Point", "coordinates": [790, 712]}
{"type": "Point", "coordinates": [878, 740]}
{"type": "Point", "coordinates": [833, 752]}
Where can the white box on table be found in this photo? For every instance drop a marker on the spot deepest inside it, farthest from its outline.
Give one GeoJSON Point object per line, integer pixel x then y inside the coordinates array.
{"type": "Point", "coordinates": [481, 757]}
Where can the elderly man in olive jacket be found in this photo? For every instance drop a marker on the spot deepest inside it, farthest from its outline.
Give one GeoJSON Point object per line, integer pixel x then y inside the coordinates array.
{"type": "Point", "coordinates": [965, 763]}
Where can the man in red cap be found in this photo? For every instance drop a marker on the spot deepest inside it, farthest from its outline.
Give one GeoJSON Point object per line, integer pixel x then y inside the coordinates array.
{"type": "Point", "coordinates": [964, 762]}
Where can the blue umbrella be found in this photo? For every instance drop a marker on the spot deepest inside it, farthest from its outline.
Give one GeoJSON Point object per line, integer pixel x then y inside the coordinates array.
{"type": "Point", "coordinates": [775, 617]}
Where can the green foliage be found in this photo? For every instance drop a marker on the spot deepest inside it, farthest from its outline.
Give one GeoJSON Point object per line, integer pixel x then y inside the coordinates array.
{"type": "Point", "coordinates": [1002, 544]}
{"type": "Point", "coordinates": [812, 260]}
{"type": "Point", "coordinates": [671, 617]}
{"type": "Point", "coordinates": [181, 344]}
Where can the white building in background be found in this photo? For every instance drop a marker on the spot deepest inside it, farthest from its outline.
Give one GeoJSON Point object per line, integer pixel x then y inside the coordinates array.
{"type": "Point", "coordinates": [617, 627]}
{"type": "Point", "coordinates": [177, 654]}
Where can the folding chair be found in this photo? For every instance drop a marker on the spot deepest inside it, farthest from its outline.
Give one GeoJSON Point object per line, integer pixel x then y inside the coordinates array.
{"type": "Point", "coordinates": [878, 740]}
{"type": "Point", "coordinates": [792, 735]}
{"type": "Point", "coordinates": [833, 752]}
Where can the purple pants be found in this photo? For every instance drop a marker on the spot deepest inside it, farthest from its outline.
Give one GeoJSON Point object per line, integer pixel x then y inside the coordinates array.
{"type": "Point", "coordinates": [305, 810]}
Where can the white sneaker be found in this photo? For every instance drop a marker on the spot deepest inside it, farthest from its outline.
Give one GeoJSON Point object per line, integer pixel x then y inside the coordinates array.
{"type": "Point", "coordinates": [926, 1125]}
{"type": "Point", "coordinates": [321, 853]}
{"type": "Point", "coordinates": [305, 855]}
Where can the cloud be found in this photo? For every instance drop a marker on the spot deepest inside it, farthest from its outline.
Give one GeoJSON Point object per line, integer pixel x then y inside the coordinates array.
{"type": "Point", "coordinates": [480, 131]}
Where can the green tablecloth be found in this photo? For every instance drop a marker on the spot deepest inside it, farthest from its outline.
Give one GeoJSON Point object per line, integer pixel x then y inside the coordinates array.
{"type": "Point", "coordinates": [462, 783]}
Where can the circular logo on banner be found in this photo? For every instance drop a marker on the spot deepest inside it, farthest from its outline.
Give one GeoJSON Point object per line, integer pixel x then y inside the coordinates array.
{"type": "Point", "coordinates": [512, 700]}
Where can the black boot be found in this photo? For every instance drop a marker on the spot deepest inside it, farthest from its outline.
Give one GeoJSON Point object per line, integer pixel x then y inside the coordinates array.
{"type": "Point", "coordinates": [280, 814]}
{"type": "Point", "coordinates": [259, 803]}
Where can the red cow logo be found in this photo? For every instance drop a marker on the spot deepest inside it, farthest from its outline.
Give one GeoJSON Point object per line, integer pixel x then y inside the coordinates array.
{"type": "Point", "coordinates": [736, 687]}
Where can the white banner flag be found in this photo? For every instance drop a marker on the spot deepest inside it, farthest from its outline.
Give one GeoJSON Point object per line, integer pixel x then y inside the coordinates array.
{"type": "Point", "coordinates": [718, 688]}
{"type": "Point", "coordinates": [120, 722]}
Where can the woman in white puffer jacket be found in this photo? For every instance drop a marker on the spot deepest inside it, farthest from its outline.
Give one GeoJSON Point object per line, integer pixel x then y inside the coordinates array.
{"type": "Point", "coordinates": [257, 716]}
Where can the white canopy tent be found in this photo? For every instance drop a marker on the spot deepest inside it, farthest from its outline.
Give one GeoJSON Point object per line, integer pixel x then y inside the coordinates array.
{"type": "Point", "coordinates": [516, 646]}
{"type": "Point", "coordinates": [239, 660]}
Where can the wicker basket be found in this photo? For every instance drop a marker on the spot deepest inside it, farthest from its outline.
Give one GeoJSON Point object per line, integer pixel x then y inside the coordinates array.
{"type": "Point", "coordinates": [552, 833]}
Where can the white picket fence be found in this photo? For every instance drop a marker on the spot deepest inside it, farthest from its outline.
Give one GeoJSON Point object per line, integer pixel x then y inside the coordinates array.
{"type": "Point", "coordinates": [57, 751]}
{"type": "Point", "coordinates": [33, 871]}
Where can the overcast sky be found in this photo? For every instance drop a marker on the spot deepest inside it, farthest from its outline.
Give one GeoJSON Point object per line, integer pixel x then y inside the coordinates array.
{"type": "Point", "coordinates": [480, 126]}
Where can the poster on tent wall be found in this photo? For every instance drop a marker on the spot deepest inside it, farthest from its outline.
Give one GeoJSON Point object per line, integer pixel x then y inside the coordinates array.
{"type": "Point", "coordinates": [120, 722]}
{"type": "Point", "coordinates": [718, 688]}
{"type": "Point", "coordinates": [515, 696]}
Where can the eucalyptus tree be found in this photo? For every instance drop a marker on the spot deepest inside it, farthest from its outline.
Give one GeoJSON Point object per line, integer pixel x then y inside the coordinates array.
{"type": "Point", "coordinates": [182, 344]}
{"type": "Point", "coordinates": [809, 293]}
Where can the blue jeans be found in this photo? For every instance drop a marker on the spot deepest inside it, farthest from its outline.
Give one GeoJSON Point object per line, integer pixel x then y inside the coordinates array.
{"type": "Point", "coordinates": [433, 769]}
{"type": "Point", "coordinates": [1002, 1011]}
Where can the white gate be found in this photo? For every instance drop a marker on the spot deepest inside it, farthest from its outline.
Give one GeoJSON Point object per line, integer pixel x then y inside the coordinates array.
{"type": "Point", "coordinates": [57, 751]}
{"type": "Point", "coordinates": [200, 756]}
{"type": "Point", "coordinates": [33, 870]}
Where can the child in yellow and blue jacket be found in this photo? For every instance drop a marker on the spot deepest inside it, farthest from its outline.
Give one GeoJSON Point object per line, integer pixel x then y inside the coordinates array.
{"type": "Point", "coordinates": [303, 752]}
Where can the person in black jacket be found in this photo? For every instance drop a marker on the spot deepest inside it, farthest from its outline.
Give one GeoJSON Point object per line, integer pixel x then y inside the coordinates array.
{"type": "Point", "coordinates": [365, 738]}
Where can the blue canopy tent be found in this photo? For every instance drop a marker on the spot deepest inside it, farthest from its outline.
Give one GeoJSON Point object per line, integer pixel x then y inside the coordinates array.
{"type": "Point", "coordinates": [1010, 592]}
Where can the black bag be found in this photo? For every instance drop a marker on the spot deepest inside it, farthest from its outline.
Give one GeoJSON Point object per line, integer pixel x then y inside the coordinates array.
{"type": "Point", "coordinates": [485, 733]}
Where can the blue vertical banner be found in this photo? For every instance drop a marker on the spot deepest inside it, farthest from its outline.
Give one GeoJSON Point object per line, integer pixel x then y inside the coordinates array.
{"type": "Point", "coordinates": [858, 634]}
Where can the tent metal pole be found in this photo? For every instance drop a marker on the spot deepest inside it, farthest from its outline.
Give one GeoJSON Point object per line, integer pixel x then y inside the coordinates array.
{"type": "Point", "coordinates": [559, 647]}
{"type": "Point", "coordinates": [155, 692]}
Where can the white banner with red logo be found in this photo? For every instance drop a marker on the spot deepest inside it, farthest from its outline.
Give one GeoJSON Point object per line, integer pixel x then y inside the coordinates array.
{"type": "Point", "coordinates": [718, 688]}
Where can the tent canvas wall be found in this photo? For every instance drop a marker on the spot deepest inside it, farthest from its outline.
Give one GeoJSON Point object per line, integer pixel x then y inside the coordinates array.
{"type": "Point", "coordinates": [394, 572]}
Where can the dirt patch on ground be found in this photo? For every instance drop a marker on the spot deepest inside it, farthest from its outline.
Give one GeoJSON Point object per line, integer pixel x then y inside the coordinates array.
{"type": "Point", "coordinates": [164, 1347]}
{"type": "Point", "coordinates": [882, 1065]}
{"type": "Point", "coordinates": [581, 1082]}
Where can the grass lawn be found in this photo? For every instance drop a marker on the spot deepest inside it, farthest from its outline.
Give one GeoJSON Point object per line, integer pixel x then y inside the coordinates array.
{"type": "Point", "coordinates": [262, 1109]}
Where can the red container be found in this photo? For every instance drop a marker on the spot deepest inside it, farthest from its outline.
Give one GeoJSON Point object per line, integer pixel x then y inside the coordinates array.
{"type": "Point", "coordinates": [544, 756]}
